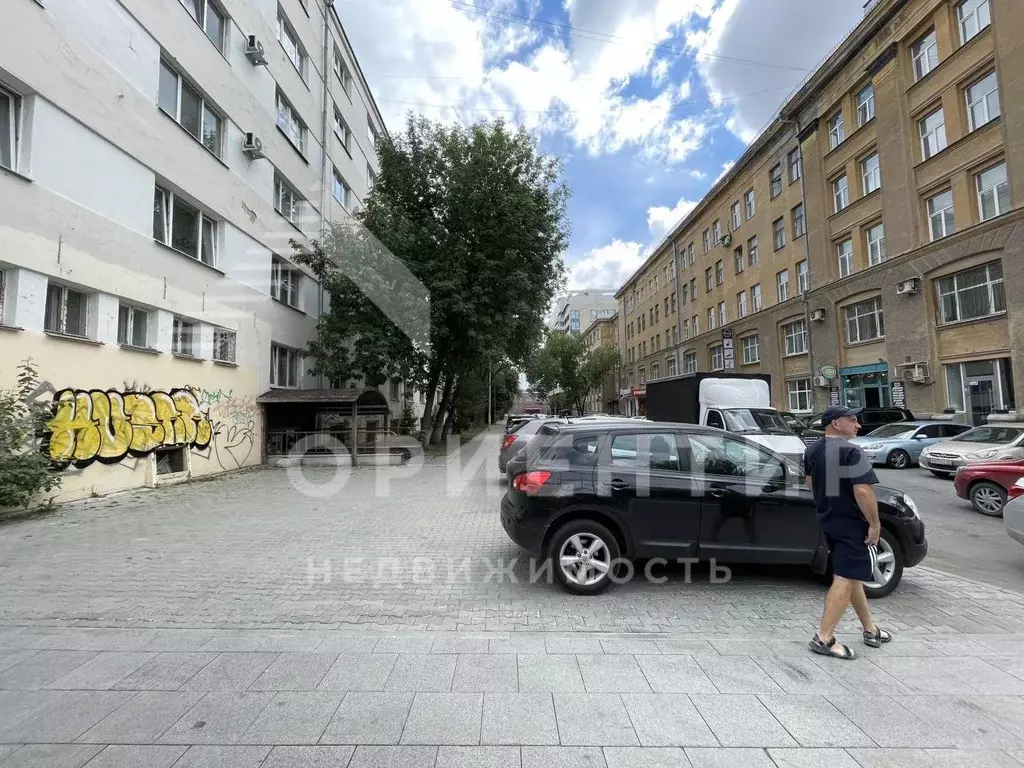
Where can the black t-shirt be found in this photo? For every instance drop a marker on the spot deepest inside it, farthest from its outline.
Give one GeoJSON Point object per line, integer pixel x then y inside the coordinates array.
{"type": "Point", "coordinates": [835, 466]}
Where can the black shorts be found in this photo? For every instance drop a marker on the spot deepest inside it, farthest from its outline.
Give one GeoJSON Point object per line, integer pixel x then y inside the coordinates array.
{"type": "Point", "coordinates": [850, 557]}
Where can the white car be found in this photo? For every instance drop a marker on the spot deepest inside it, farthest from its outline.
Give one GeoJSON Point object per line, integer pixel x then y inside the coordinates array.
{"type": "Point", "coordinates": [1013, 512]}
{"type": "Point", "coordinates": [992, 442]}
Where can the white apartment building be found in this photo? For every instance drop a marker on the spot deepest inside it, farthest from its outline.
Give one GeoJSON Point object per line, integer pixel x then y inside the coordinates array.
{"type": "Point", "coordinates": [576, 310]}
{"type": "Point", "coordinates": [155, 160]}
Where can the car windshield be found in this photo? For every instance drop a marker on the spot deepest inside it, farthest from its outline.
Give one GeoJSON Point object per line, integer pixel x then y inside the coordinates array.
{"type": "Point", "coordinates": [998, 435]}
{"type": "Point", "coordinates": [756, 420]}
{"type": "Point", "coordinates": [895, 430]}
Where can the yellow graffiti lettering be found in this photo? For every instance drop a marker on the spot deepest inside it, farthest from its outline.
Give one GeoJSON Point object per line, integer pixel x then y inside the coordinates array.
{"type": "Point", "coordinates": [169, 418]}
{"type": "Point", "coordinates": [63, 427]}
{"type": "Point", "coordinates": [147, 433]}
{"type": "Point", "coordinates": [198, 426]}
{"type": "Point", "coordinates": [87, 438]}
{"type": "Point", "coordinates": [114, 428]}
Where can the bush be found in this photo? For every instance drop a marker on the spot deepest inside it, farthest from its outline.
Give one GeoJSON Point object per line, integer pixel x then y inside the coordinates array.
{"type": "Point", "coordinates": [24, 470]}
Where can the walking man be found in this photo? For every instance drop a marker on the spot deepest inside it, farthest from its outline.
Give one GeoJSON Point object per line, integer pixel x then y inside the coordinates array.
{"type": "Point", "coordinates": [841, 480]}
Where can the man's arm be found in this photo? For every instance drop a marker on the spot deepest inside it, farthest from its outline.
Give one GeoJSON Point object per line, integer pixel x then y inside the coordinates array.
{"type": "Point", "coordinates": [868, 503]}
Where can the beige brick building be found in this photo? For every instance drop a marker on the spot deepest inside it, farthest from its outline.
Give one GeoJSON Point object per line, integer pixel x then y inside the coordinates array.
{"type": "Point", "coordinates": [603, 332]}
{"type": "Point", "coordinates": [887, 225]}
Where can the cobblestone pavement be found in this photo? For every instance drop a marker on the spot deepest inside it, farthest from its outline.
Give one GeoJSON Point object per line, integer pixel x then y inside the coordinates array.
{"type": "Point", "coordinates": [200, 626]}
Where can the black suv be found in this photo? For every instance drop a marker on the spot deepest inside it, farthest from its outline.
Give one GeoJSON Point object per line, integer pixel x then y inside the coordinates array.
{"type": "Point", "coordinates": [585, 496]}
{"type": "Point", "coordinates": [870, 419]}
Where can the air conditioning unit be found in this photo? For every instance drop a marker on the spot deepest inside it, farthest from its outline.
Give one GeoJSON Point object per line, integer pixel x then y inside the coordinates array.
{"type": "Point", "coordinates": [726, 240]}
{"type": "Point", "coordinates": [908, 287]}
{"type": "Point", "coordinates": [919, 373]}
{"type": "Point", "coordinates": [820, 381]}
{"type": "Point", "coordinates": [818, 314]}
{"type": "Point", "coordinates": [255, 52]}
{"type": "Point", "coordinates": [252, 146]}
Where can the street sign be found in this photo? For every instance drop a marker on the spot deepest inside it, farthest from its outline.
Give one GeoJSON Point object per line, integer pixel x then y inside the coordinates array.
{"type": "Point", "coordinates": [829, 371]}
{"type": "Point", "coordinates": [899, 395]}
{"type": "Point", "coordinates": [728, 352]}
{"type": "Point", "coordinates": [727, 333]}
{"type": "Point", "coordinates": [833, 396]}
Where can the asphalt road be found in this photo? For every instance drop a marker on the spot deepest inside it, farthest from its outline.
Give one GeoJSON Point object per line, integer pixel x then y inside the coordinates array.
{"type": "Point", "coordinates": [960, 540]}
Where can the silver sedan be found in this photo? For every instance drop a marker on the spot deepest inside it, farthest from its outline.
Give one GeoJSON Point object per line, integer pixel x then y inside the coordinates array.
{"type": "Point", "coordinates": [1013, 512]}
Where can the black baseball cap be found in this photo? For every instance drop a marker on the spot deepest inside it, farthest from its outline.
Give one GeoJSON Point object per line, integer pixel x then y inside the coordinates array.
{"type": "Point", "coordinates": [834, 412]}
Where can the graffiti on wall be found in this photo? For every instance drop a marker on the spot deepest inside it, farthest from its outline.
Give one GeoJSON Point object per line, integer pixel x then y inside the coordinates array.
{"type": "Point", "coordinates": [108, 426]}
{"type": "Point", "coordinates": [234, 426]}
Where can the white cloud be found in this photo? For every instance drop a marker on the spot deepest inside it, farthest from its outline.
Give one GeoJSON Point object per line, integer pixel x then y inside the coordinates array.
{"type": "Point", "coordinates": [750, 94]}
{"type": "Point", "coordinates": [698, 174]}
{"type": "Point", "coordinates": [726, 167]}
{"type": "Point", "coordinates": [661, 219]}
{"type": "Point", "coordinates": [607, 267]}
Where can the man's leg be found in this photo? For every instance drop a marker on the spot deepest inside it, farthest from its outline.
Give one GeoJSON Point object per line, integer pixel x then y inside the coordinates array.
{"type": "Point", "coordinates": [836, 602]}
{"type": "Point", "coordinates": [860, 605]}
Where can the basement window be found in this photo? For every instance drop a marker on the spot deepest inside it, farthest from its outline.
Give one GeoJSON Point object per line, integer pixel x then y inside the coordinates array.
{"type": "Point", "coordinates": [170, 461]}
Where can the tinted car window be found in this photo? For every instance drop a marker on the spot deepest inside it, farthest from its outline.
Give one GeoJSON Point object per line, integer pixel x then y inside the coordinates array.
{"type": "Point", "coordinates": [574, 451]}
{"type": "Point", "coordinates": [1001, 435]}
{"type": "Point", "coordinates": [932, 430]}
{"type": "Point", "coordinates": [894, 430]}
{"type": "Point", "coordinates": [715, 420]}
{"type": "Point", "coordinates": [717, 455]}
{"type": "Point", "coordinates": [656, 451]}
{"type": "Point", "coordinates": [952, 430]}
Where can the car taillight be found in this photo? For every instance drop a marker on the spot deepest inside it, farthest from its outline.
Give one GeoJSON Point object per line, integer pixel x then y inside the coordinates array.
{"type": "Point", "coordinates": [530, 482]}
{"type": "Point", "coordinates": [509, 439]}
{"type": "Point", "coordinates": [1016, 490]}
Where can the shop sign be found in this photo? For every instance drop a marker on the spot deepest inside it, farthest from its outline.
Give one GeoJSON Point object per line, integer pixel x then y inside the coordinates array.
{"type": "Point", "coordinates": [638, 392]}
{"type": "Point", "coordinates": [899, 395]}
{"type": "Point", "coordinates": [833, 396]}
{"type": "Point", "coordinates": [829, 371]}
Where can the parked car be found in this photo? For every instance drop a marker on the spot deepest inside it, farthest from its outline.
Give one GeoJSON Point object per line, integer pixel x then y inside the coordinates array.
{"type": "Point", "coordinates": [587, 495]}
{"type": "Point", "coordinates": [515, 419]}
{"type": "Point", "coordinates": [992, 442]}
{"type": "Point", "coordinates": [520, 436]}
{"type": "Point", "coordinates": [987, 485]}
{"type": "Point", "coordinates": [798, 424]}
{"type": "Point", "coordinates": [900, 444]}
{"type": "Point", "coordinates": [1013, 513]}
{"type": "Point", "coordinates": [870, 419]}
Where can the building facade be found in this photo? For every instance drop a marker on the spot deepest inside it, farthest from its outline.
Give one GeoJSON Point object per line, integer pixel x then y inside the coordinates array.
{"type": "Point", "coordinates": [868, 240]}
{"type": "Point", "coordinates": [603, 332]}
{"type": "Point", "coordinates": [155, 161]}
{"type": "Point", "coordinates": [578, 309]}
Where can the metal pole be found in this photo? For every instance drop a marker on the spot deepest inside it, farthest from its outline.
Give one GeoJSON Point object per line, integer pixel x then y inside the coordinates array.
{"type": "Point", "coordinates": [490, 416]}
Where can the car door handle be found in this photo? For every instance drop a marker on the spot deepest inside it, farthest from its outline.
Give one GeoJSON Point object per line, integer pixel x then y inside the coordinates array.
{"type": "Point", "coordinates": [619, 485]}
{"type": "Point", "coordinates": [717, 491]}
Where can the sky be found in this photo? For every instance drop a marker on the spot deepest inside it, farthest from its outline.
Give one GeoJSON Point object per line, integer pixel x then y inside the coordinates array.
{"type": "Point", "coordinates": [647, 102]}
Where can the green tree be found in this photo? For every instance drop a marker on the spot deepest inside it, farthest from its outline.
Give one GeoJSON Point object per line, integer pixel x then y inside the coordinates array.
{"type": "Point", "coordinates": [567, 366]}
{"type": "Point", "coordinates": [477, 215]}
{"type": "Point", "coordinates": [24, 470]}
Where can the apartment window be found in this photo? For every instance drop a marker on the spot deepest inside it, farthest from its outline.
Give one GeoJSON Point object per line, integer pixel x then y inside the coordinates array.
{"type": "Point", "coordinates": [799, 391]}
{"type": "Point", "coordinates": [132, 326]}
{"type": "Point", "coordinates": [711, 318]}
{"type": "Point", "coordinates": [971, 294]}
{"type": "Point", "coordinates": [803, 277]}
{"type": "Point", "coordinates": [925, 54]}
{"type": "Point", "coordinates": [290, 42]}
{"type": "Point", "coordinates": [224, 345]}
{"type": "Point", "coordinates": [183, 227]}
{"type": "Point", "coordinates": [183, 103]}
{"type": "Point", "coordinates": [183, 337]}
{"type": "Point", "coordinates": [796, 165]}
{"type": "Point", "coordinates": [686, 329]}
{"type": "Point", "coordinates": [284, 366]}
{"type": "Point", "coordinates": [734, 216]}
{"type": "Point", "coordinates": [690, 362]}
{"type": "Point", "coordinates": [341, 130]}
{"type": "Point", "coordinates": [741, 304]}
{"type": "Point", "coordinates": [3, 294]}
{"type": "Point", "coordinates": [751, 350]}
{"type": "Point", "coordinates": [779, 233]}
{"type": "Point", "coordinates": [706, 240]}
{"type": "Point", "coordinates": [340, 189]}
{"type": "Point", "coordinates": [371, 132]}
{"type": "Point", "coordinates": [722, 317]}
{"type": "Point", "coordinates": [974, 16]}
{"type": "Point", "coordinates": [289, 122]}
{"type": "Point", "coordinates": [749, 204]}
{"type": "Point", "coordinates": [993, 192]}
{"type": "Point", "coordinates": [799, 222]}
{"type": "Point", "coordinates": [655, 370]}
{"type": "Point", "coordinates": [643, 374]}
{"type": "Point", "coordinates": [836, 134]}
{"type": "Point", "coordinates": [371, 177]}
{"type": "Point", "coordinates": [696, 325]}
{"type": "Point", "coordinates": [341, 70]}
{"type": "Point", "coordinates": [9, 104]}
{"type": "Point", "coordinates": [871, 174]}
{"type": "Point", "coordinates": [670, 366]}
{"type": "Point", "coordinates": [685, 297]}
{"type": "Point", "coordinates": [864, 321]}
{"type": "Point", "coordinates": [287, 201]}
{"type": "Point", "coordinates": [782, 285]}
{"type": "Point", "coordinates": [865, 104]}
{"type": "Point", "coordinates": [795, 338]}
{"type": "Point", "coordinates": [209, 17]}
{"type": "Point", "coordinates": [738, 259]}
{"type": "Point", "coordinates": [775, 177]}
{"type": "Point", "coordinates": [717, 357]}
{"type": "Point", "coordinates": [752, 251]}
{"type": "Point", "coordinates": [284, 282]}
{"type": "Point", "coordinates": [840, 193]}
{"type": "Point", "coordinates": [719, 272]}
{"type": "Point", "coordinates": [67, 311]}
{"type": "Point", "coordinates": [672, 303]}
{"type": "Point", "coordinates": [940, 215]}
{"type": "Point", "coordinates": [709, 279]}
{"type": "Point", "coordinates": [844, 252]}
{"type": "Point", "coordinates": [933, 133]}
{"type": "Point", "coordinates": [755, 296]}
{"type": "Point", "coordinates": [716, 231]}
{"type": "Point", "coordinates": [693, 289]}
{"type": "Point", "coordinates": [876, 244]}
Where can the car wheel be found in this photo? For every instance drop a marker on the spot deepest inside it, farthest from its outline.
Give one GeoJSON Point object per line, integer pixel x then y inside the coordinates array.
{"type": "Point", "coordinates": [898, 459]}
{"type": "Point", "coordinates": [988, 498]}
{"type": "Point", "coordinates": [943, 475]}
{"type": "Point", "coordinates": [583, 555]}
{"type": "Point", "coordinates": [889, 572]}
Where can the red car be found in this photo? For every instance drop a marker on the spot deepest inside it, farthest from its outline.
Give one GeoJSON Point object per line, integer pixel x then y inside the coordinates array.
{"type": "Point", "coordinates": [988, 485]}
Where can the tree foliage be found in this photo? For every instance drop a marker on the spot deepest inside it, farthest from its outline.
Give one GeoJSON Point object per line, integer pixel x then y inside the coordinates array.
{"type": "Point", "coordinates": [24, 470]}
{"type": "Point", "coordinates": [454, 260]}
{"type": "Point", "coordinates": [565, 363]}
